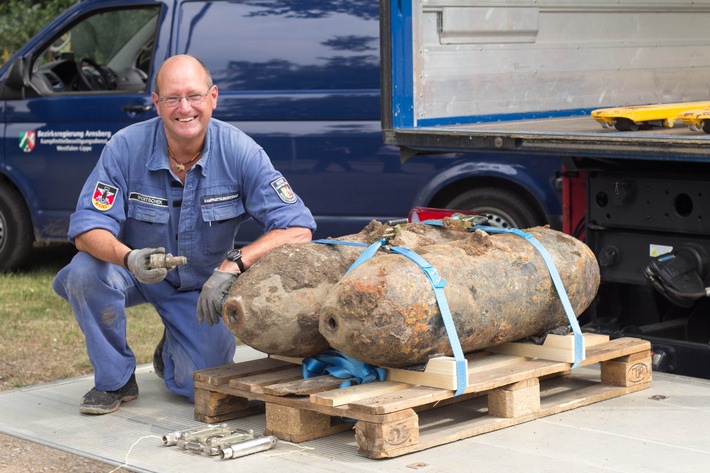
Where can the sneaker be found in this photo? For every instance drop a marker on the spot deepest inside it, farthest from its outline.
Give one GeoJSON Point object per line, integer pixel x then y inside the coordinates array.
{"type": "Point", "coordinates": [158, 364]}
{"type": "Point", "coordinates": [104, 402]}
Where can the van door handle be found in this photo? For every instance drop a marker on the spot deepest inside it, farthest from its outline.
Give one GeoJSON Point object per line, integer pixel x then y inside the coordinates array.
{"type": "Point", "coordinates": [136, 109]}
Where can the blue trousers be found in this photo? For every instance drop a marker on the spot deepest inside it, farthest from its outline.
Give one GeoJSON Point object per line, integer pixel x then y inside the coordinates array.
{"type": "Point", "coordinates": [99, 293]}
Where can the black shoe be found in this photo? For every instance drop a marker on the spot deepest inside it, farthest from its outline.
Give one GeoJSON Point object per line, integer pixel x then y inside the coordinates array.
{"type": "Point", "coordinates": [158, 364]}
{"type": "Point", "coordinates": [104, 402]}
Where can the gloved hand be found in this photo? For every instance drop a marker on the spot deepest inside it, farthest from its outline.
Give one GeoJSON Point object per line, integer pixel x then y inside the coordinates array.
{"type": "Point", "coordinates": [138, 263]}
{"type": "Point", "coordinates": [209, 304]}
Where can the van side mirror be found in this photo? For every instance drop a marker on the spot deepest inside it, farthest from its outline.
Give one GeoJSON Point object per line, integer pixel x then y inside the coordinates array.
{"type": "Point", "coordinates": [17, 79]}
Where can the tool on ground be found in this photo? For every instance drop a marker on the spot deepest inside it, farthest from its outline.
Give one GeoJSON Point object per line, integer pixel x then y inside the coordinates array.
{"type": "Point", "coordinates": [247, 447]}
{"type": "Point", "coordinates": [172, 438]}
{"type": "Point", "coordinates": [220, 439]}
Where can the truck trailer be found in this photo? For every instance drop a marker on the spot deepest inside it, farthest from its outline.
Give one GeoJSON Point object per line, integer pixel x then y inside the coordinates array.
{"type": "Point", "coordinates": [523, 77]}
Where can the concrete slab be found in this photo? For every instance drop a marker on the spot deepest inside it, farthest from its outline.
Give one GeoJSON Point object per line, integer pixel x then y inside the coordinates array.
{"type": "Point", "coordinates": [661, 429]}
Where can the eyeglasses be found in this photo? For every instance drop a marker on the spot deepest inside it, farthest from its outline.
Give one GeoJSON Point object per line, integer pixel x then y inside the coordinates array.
{"type": "Point", "coordinates": [192, 99]}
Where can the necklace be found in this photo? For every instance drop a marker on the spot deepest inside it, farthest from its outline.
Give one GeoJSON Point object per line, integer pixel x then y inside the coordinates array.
{"type": "Point", "coordinates": [181, 166]}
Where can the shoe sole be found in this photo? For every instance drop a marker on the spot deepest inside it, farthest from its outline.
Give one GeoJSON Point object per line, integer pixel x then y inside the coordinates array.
{"type": "Point", "coordinates": [99, 410]}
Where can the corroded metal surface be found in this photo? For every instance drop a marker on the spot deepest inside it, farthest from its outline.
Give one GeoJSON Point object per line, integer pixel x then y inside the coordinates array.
{"type": "Point", "coordinates": [273, 307]}
{"type": "Point", "coordinates": [498, 290]}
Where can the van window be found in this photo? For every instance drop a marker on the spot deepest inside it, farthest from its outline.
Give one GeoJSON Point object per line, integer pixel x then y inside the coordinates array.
{"type": "Point", "coordinates": [293, 45]}
{"type": "Point", "coordinates": [109, 50]}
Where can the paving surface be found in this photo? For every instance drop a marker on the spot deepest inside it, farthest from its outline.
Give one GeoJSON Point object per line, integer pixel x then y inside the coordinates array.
{"type": "Point", "coordinates": [660, 429]}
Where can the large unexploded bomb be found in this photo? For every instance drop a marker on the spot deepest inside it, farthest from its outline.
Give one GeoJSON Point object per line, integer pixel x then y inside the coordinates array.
{"type": "Point", "coordinates": [498, 289]}
{"type": "Point", "coordinates": [274, 306]}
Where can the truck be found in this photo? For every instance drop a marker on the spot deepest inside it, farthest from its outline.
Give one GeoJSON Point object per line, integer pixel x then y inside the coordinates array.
{"type": "Point", "coordinates": [523, 77]}
{"type": "Point", "coordinates": [301, 78]}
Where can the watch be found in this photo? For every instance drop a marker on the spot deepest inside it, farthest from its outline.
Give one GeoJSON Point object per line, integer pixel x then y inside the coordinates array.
{"type": "Point", "coordinates": [235, 256]}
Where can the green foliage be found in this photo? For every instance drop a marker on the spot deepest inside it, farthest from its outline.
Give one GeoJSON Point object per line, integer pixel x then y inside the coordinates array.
{"type": "Point", "coordinates": [22, 19]}
{"type": "Point", "coordinates": [40, 340]}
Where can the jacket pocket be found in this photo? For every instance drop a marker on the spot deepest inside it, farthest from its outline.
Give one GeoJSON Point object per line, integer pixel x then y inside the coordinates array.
{"type": "Point", "coordinates": [222, 221]}
{"type": "Point", "coordinates": [146, 225]}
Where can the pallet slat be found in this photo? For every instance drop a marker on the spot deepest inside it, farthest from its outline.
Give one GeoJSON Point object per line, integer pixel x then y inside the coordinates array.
{"type": "Point", "coordinates": [394, 418]}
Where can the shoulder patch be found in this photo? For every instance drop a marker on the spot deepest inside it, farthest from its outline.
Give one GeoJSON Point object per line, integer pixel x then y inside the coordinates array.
{"type": "Point", "coordinates": [104, 196]}
{"type": "Point", "coordinates": [283, 190]}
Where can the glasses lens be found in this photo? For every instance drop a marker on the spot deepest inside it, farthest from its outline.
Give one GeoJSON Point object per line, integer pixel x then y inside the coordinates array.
{"type": "Point", "coordinates": [196, 98]}
{"type": "Point", "coordinates": [192, 99]}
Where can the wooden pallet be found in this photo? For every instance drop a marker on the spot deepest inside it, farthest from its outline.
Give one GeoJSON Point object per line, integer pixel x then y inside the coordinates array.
{"type": "Point", "coordinates": [393, 418]}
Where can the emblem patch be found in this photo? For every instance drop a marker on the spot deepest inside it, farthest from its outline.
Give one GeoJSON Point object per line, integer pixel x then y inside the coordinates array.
{"type": "Point", "coordinates": [28, 140]}
{"type": "Point", "coordinates": [284, 191]}
{"type": "Point", "coordinates": [104, 196]}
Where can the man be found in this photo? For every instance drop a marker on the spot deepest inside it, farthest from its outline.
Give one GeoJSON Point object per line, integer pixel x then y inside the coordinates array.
{"type": "Point", "coordinates": [180, 183]}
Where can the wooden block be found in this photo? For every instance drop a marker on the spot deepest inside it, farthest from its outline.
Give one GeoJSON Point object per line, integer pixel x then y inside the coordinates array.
{"type": "Point", "coordinates": [440, 372]}
{"type": "Point", "coordinates": [211, 406]}
{"type": "Point", "coordinates": [515, 400]}
{"type": "Point", "coordinates": [223, 374]}
{"type": "Point", "coordinates": [384, 440]}
{"type": "Point", "coordinates": [255, 384]}
{"type": "Point", "coordinates": [298, 425]}
{"type": "Point", "coordinates": [626, 373]}
{"type": "Point", "coordinates": [555, 347]}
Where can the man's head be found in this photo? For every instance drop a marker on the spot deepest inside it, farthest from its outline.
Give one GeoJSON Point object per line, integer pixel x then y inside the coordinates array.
{"type": "Point", "coordinates": [185, 98]}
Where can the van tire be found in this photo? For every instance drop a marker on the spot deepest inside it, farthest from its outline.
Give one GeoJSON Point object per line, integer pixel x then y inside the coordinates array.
{"type": "Point", "coordinates": [16, 236]}
{"type": "Point", "coordinates": [504, 208]}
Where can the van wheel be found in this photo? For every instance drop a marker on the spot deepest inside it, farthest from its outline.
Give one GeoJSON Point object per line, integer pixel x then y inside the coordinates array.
{"type": "Point", "coordinates": [504, 209]}
{"type": "Point", "coordinates": [15, 230]}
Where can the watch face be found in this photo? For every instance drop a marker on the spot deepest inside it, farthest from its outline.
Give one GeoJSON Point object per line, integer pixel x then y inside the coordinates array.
{"type": "Point", "coordinates": [234, 255]}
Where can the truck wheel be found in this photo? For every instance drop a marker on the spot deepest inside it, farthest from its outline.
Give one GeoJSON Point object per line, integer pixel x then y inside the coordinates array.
{"type": "Point", "coordinates": [504, 209]}
{"type": "Point", "coordinates": [15, 230]}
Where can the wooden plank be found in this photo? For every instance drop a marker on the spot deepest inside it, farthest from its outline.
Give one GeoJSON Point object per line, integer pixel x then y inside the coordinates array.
{"type": "Point", "coordinates": [304, 387]}
{"type": "Point", "coordinates": [615, 349]}
{"type": "Point", "coordinates": [224, 374]}
{"type": "Point", "coordinates": [256, 383]}
{"type": "Point", "coordinates": [339, 397]}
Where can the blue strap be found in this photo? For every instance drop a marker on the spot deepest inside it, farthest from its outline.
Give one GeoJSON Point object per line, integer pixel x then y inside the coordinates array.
{"type": "Point", "coordinates": [438, 284]}
{"type": "Point", "coordinates": [342, 366]}
{"type": "Point", "coordinates": [364, 256]}
{"type": "Point", "coordinates": [556, 280]}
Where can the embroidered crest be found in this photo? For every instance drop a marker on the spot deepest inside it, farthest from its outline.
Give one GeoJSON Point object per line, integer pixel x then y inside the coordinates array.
{"type": "Point", "coordinates": [284, 191]}
{"type": "Point", "coordinates": [28, 140]}
{"type": "Point", "coordinates": [104, 196]}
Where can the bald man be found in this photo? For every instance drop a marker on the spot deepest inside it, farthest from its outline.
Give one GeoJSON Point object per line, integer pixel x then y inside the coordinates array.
{"type": "Point", "coordinates": [180, 183]}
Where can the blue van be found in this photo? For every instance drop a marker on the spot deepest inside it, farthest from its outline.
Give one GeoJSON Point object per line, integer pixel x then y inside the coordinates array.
{"type": "Point", "coordinates": [301, 77]}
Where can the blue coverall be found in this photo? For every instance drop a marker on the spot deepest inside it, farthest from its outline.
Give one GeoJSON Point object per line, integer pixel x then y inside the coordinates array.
{"type": "Point", "coordinates": [133, 193]}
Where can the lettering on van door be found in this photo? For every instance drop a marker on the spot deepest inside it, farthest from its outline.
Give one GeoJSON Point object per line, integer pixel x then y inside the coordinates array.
{"type": "Point", "coordinates": [82, 141]}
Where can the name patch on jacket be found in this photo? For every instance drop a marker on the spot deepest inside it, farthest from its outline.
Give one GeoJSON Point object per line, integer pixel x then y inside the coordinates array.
{"type": "Point", "coordinates": [216, 199]}
{"type": "Point", "coordinates": [104, 196]}
{"type": "Point", "coordinates": [148, 199]}
{"type": "Point", "coordinates": [283, 190]}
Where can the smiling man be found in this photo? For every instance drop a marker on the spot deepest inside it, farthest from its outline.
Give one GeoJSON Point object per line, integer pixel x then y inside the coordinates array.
{"type": "Point", "coordinates": [180, 183]}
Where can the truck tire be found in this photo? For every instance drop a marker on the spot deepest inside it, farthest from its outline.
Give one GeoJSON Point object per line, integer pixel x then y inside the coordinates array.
{"type": "Point", "coordinates": [15, 230]}
{"type": "Point", "coordinates": [504, 208]}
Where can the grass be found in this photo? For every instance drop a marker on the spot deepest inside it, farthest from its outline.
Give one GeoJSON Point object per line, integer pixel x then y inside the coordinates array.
{"type": "Point", "coordinates": [40, 340]}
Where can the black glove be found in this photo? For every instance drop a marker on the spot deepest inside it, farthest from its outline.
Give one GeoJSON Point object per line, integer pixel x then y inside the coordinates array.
{"type": "Point", "coordinates": [209, 305]}
{"type": "Point", "coordinates": [138, 263]}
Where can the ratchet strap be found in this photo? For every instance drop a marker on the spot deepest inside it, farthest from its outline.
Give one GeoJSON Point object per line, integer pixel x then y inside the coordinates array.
{"type": "Point", "coordinates": [342, 366]}
{"type": "Point", "coordinates": [438, 285]}
{"type": "Point", "coordinates": [556, 280]}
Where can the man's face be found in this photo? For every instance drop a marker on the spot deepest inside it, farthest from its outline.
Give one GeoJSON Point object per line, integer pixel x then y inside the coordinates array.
{"type": "Point", "coordinates": [185, 121]}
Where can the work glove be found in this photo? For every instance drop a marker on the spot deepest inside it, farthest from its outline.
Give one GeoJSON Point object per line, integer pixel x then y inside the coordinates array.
{"type": "Point", "coordinates": [138, 263]}
{"type": "Point", "coordinates": [209, 304]}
